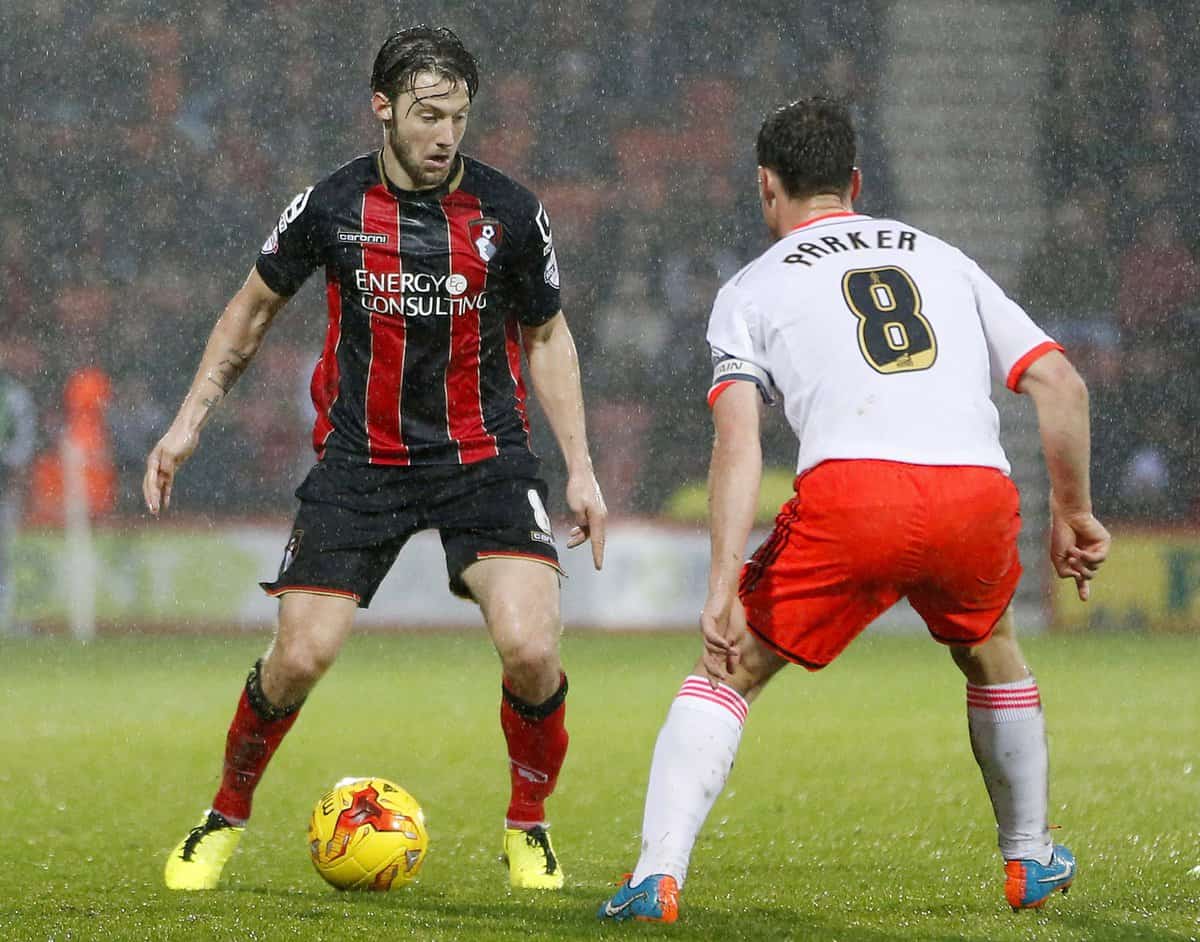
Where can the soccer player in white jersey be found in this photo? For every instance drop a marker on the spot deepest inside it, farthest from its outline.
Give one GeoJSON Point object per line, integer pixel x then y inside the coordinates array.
{"type": "Point", "coordinates": [881, 343]}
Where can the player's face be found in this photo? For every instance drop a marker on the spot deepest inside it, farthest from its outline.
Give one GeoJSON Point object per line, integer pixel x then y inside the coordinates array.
{"type": "Point", "coordinates": [424, 127]}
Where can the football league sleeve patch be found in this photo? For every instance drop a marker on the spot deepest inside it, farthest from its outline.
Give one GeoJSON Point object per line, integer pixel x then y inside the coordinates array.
{"type": "Point", "coordinates": [728, 369]}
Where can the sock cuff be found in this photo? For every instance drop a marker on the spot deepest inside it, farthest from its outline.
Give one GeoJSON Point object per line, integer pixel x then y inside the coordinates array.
{"type": "Point", "coordinates": [536, 712]}
{"type": "Point", "coordinates": [259, 703]}
{"type": "Point", "coordinates": [1019, 700]}
{"type": "Point", "coordinates": [698, 688]}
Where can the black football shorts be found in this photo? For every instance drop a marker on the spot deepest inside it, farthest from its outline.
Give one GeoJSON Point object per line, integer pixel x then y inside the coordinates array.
{"type": "Point", "coordinates": [354, 520]}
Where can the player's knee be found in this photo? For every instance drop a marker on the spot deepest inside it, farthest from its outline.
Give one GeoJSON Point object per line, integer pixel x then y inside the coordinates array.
{"type": "Point", "coordinates": [530, 659]}
{"type": "Point", "coordinates": [303, 661]}
{"type": "Point", "coordinates": [967, 660]}
{"type": "Point", "coordinates": [758, 665]}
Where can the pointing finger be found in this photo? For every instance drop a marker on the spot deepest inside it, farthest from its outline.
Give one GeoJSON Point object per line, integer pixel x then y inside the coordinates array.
{"type": "Point", "coordinates": [597, 535]}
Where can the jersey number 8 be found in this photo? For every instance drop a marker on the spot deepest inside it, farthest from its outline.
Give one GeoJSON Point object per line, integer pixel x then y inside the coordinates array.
{"type": "Point", "coordinates": [893, 335]}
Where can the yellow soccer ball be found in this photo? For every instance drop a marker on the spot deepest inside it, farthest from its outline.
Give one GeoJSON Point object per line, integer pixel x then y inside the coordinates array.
{"type": "Point", "coordinates": [367, 834]}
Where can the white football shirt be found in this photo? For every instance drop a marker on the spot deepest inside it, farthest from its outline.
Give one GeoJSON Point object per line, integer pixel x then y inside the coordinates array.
{"type": "Point", "coordinates": [881, 339]}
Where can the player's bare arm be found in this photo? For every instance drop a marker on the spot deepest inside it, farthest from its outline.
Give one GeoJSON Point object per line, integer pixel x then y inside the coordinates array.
{"type": "Point", "coordinates": [735, 473]}
{"type": "Point", "coordinates": [234, 340]}
{"type": "Point", "coordinates": [1078, 541]}
{"type": "Point", "coordinates": [554, 371]}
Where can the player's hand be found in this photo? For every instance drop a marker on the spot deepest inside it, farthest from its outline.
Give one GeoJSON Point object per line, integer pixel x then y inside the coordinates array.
{"type": "Point", "coordinates": [721, 635]}
{"type": "Point", "coordinates": [587, 506]}
{"type": "Point", "coordinates": [172, 450]}
{"type": "Point", "coordinates": [1078, 546]}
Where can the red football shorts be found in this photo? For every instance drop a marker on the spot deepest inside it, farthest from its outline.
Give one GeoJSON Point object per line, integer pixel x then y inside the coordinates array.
{"type": "Point", "coordinates": [859, 535]}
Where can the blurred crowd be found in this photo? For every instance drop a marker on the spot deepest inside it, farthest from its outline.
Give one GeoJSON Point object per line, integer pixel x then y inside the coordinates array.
{"type": "Point", "coordinates": [147, 154]}
{"type": "Point", "coordinates": [1116, 275]}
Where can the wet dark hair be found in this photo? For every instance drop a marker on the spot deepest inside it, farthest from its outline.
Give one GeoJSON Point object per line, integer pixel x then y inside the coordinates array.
{"type": "Point", "coordinates": [810, 144]}
{"type": "Point", "coordinates": [417, 49]}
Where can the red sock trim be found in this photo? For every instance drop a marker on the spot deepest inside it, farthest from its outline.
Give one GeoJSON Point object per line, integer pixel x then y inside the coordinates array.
{"type": "Point", "coordinates": [1016, 701]}
{"type": "Point", "coordinates": [723, 696]}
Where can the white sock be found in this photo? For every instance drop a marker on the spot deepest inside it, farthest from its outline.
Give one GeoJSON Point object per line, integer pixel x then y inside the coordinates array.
{"type": "Point", "coordinates": [692, 758]}
{"type": "Point", "coordinates": [1008, 737]}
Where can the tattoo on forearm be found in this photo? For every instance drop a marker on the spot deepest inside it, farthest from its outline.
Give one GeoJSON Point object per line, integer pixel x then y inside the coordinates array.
{"type": "Point", "coordinates": [226, 373]}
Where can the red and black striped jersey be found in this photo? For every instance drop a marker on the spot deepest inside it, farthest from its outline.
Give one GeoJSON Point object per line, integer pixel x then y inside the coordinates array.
{"type": "Point", "coordinates": [426, 293]}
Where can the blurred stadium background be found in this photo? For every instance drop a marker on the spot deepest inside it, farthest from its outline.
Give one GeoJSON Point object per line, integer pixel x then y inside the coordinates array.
{"type": "Point", "coordinates": [146, 154]}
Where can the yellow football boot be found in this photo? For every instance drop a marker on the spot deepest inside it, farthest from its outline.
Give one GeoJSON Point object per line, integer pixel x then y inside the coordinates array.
{"type": "Point", "coordinates": [531, 861]}
{"type": "Point", "coordinates": [197, 861]}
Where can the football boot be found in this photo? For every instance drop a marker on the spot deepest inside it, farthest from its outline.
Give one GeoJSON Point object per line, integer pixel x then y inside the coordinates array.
{"type": "Point", "coordinates": [1028, 884]}
{"type": "Point", "coordinates": [530, 857]}
{"type": "Point", "coordinates": [655, 899]}
{"type": "Point", "coordinates": [197, 861]}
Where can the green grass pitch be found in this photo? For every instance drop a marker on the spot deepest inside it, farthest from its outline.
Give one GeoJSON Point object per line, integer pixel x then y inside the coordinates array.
{"type": "Point", "coordinates": [855, 811]}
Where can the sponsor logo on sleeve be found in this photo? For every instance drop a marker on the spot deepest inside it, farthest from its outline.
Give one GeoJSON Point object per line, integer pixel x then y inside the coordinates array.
{"type": "Point", "coordinates": [730, 366]}
{"type": "Point", "coordinates": [293, 211]}
{"type": "Point", "coordinates": [551, 272]}
{"type": "Point", "coordinates": [728, 369]}
{"type": "Point", "coordinates": [543, 223]}
{"type": "Point", "coordinates": [286, 218]}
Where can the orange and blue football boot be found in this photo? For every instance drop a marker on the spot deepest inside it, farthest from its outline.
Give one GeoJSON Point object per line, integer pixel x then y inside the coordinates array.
{"type": "Point", "coordinates": [1028, 884]}
{"type": "Point", "coordinates": [655, 899]}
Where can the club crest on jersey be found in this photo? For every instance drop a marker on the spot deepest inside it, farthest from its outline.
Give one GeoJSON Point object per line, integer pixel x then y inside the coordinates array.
{"type": "Point", "coordinates": [486, 234]}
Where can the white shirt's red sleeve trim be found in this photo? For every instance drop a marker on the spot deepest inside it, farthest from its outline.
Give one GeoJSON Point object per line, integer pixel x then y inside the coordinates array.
{"type": "Point", "coordinates": [715, 392]}
{"type": "Point", "coordinates": [729, 370]}
{"type": "Point", "coordinates": [1019, 368]}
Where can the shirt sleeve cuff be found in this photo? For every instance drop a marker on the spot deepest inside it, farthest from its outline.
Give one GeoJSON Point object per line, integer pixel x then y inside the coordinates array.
{"type": "Point", "coordinates": [274, 281]}
{"type": "Point", "coordinates": [1026, 361]}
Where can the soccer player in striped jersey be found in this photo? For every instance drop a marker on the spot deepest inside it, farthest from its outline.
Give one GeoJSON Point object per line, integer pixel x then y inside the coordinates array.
{"type": "Point", "coordinates": [882, 342]}
{"type": "Point", "coordinates": [440, 273]}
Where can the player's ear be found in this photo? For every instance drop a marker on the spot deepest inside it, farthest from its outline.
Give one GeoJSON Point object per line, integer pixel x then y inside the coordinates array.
{"type": "Point", "coordinates": [381, 106]}
{"type": "Point", "coordinates": [855, 183]}
{"type": "Point", "coordinates": [766, 192]}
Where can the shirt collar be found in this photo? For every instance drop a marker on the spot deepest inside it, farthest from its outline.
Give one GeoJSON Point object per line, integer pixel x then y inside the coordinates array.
{"type": "Point", "coordinates": [824, 216]}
